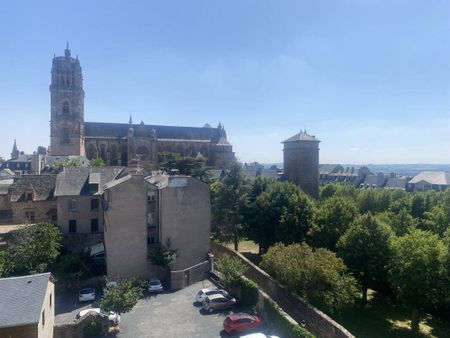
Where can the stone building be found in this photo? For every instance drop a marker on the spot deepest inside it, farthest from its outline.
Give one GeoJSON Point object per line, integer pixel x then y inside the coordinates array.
{"type": "Point", "coordinates": [30, 306]}
{"type": "Point", "coordinates": [119, 143]}
{"type": "Point", "coordinates": [142, 214]}
{"type": "Point", "coordinates": [301, 162]}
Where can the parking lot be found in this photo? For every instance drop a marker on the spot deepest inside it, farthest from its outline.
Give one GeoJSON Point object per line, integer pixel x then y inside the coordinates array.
{"type": "Point", "coordinates": [173, 315]}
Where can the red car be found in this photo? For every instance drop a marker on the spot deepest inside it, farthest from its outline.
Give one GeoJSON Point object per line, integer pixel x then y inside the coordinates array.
{"type": "Point", "coordinates": [240, 322]}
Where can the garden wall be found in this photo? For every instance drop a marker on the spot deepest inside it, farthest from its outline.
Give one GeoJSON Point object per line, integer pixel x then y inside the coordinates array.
{"type": "Point", "coordinates": [317, 322]}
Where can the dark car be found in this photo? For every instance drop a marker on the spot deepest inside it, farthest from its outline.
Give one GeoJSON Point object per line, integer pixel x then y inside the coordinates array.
{"type": "Point", "coordinates": [218, 302]}
{"type": "Point", "coordinates": [241, 322]}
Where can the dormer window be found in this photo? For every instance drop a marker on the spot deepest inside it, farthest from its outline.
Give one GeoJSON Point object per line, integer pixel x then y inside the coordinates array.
{"type": "Point", "coordinates": [29, 196]}
{"type": "Point", "coordinates": [93, 188]}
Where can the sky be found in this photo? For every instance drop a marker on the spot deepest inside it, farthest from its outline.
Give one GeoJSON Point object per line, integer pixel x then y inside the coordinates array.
{"type": "Point", "coordinates": [369, 78]}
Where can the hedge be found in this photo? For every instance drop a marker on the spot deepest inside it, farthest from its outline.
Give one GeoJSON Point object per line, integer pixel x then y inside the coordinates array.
{"type": "Point", "coordinates": [281, 324]}
{"type": "Point", "coordinates": [249, 293]}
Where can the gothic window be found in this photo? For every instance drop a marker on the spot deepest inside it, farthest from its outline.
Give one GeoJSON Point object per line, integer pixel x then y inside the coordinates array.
{"type": "Point", "coordinates": [123, 155]}
{"type": "Point", "coordinates": [66, 108]}
{"type": "Point", "coordinates": [103, 152]}
{"type": "Point", "coordinates": [113, 154]}
{"type": "Point", "coordinates": [142, 152]}
{"type": "Point", "coordinates": [92, 152]}
{"type": "Point", "coordinates": [65, 136]}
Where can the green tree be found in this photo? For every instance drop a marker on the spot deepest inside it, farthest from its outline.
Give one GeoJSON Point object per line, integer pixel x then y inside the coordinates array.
{"type": "Point", "coordinates": [401, 223]}
{"type": "Point", "coordinates": [232, 269]}
{"type": "Point", "coordinates": [337, 189]}
{"type": "Point", "coordinates": [367, 201]}
{"type": "Point", "coordinates": [333, 217]}
{"type": "Point", "coordinates": [70, 268]}
{"type": "Point", "coordinates": [33, 248]}
{"type": "Point", "coordinates": [280, 213]}
{"type": "Point", "coordinates": [97, 162]}
{"type": "Point", "coordinates": [122, 298]}
{"type": "Point", "coordinates": [173, 163]}
{"type": "Point", "coordinates": [367, 249]}
{"type": "Point", "coordinates": [418, 271]}
{"type": "Point", "coordinates": [227, 197]}
{"type": "Point", "coordinates": [316, 275]}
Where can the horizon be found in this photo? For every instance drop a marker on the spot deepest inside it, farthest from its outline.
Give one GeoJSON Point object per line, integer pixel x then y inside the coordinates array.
{"type": "Point", "coordinates": [371, 80]}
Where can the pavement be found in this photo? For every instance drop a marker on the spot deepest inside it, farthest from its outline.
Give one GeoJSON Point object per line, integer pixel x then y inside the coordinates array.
{"type": "Point", "coordinates": [67, 306]}
{"type": "Point", "coordinates": [172, 315]}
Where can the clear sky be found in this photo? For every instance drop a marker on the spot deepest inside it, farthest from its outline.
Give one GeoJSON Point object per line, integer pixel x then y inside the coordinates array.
{"type": "Point", "coordinates": [369, 78]}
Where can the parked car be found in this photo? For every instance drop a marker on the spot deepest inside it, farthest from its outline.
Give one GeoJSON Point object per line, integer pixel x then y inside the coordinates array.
{"type": "Point", "coordinates": [86, 295]}
{"type": "Point", "coordinates": [110, 285]}
{"type": "Point", "coordinates": [112, 316]}
{"type": "Point", "coordinates": [241, 322]}
{"type": "Point", "coordinates": [218, 302]}
{"type": "Point", "coordinates": [154, 285]}
{"type": "Point", "coordinates": [258, 335]}
{"type": "Point", "coordinates": [203, 293]}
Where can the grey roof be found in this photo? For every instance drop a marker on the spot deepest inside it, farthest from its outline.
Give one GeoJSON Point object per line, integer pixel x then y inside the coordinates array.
{"type": "Point", "coordinates": [6, 174]}
{"type": "Point", "coordinates": [301, 136]}
{"type": "Point", "coordinates": [330, 168]}
{"type": "Point", "coordinates": [43, 187]}
{"type": "Point", "coordinates": [396, 182]}
{"type": "Point", "coordinates": [22, 158]}
{"type": "Point", "coordinates": [21, 299]}
{"type": "Point", "coordinates": [432, 177]}
{"type": "Point", "coordinates": [75, 181]}
{"type": "Point", "coordinates": [4, 186]}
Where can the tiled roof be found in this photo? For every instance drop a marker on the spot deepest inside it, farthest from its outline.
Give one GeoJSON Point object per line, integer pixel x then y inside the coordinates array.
{"type": "Point", "coordinates": [21, 299]}
{"type": "Point", "coordinates": [100, 129]}
{"type": "Point", "coordinates": [432, 177]}
{"type": "Point", "coordinates": [301, 136]}
{"type": "Point", "coordinates": [43, 187]}
{"type": "Point", "coordinates": [75, 181]}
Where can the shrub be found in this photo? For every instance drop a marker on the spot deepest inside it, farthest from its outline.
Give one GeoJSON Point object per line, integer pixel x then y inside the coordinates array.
{"type": "Point", "coordinates": [231, 268]}
{"type": "Point", "coordinates": [281, 324]}
{"type": "Point", "coordinates": [249, 293]}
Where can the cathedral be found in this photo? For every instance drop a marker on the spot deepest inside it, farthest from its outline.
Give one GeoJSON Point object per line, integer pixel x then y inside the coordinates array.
{"type": "Point", "coordinates": [120, 143]}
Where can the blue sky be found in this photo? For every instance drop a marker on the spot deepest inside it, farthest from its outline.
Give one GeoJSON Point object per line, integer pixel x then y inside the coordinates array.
{"type": "Point", "coordinates": [369, 78]}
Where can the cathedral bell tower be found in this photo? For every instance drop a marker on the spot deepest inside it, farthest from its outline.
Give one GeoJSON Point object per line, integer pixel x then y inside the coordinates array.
{"type": "Point", "coordinates": [67, 106]}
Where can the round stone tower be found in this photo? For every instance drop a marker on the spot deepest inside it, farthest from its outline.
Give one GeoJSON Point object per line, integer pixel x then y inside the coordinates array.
{"type": "Point", "coordinates": [301, 162]}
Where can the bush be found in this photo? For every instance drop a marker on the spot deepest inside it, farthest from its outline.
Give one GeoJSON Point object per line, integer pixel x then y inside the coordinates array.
{"type": "Point", "coordinates": [249, 293]}
{"type": "Point", "coordinates": [281, 324]}
{"type": "Point", "coordinates": [231, 268]}
{"type": "Point", "coordinates": [93, 328]}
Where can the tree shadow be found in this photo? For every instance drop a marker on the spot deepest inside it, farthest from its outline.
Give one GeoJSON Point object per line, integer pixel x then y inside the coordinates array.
{"type": "Point", "coordinates": [252, 257]}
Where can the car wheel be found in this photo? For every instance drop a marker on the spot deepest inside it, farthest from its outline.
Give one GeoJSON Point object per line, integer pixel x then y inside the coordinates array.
{"type": "Point", "coordinates": [210, 310]}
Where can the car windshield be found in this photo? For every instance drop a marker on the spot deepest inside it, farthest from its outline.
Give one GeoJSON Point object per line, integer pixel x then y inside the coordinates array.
{"type": "Point", "coordinates": [212, 292]}
{"type": "Point", "coordinates": [86, 291]}
{"type": "Point", "coordinates": [154, 282]}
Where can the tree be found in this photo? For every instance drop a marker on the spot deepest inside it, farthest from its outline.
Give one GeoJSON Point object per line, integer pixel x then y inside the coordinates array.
{"type": "Point", "coordinates": [417, 271]}
{"type": "Point", "coordinates": [227, 196]}
{"type": "Point", "coordinates": [173, 163]}
{"type": "Point", "coordinates": [366, 201]}
{"type": "Point", "coordinates": [70, 268]}
{"type": "Point", "coordinates": [316, 275]}
{"type": "Point", "coordinates": [122, 298]}
{"type": "Point", "coordinates": [33, 248]}
{"type": "Point", "coordinates": [367, 249]}
{"type": "Point", "coordinates": [333, 217]}
{"type": "Point", "coordinates": [276, 212]}
{"type": "Point", "coordinates": [232, 269]}
{"type": "Point", "coordinates": [97, 162]}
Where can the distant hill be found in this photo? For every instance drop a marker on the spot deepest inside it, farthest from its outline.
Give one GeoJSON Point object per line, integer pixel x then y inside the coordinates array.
{"type": "Point", "coordinates": [400, 169]}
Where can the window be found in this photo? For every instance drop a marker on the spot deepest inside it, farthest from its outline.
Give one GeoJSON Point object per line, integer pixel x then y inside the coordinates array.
{"type": "Point", "coordinates": [50, 301]}
{"type": "Point", "coordinates": [29, 196]}
{"type": "Point", "coordinates": [65, 137]}
{"type": "Point", "coordinates": [29, 216]}
{"type": "Point", "coordinates": [94, 204]}
{"type": "Point", "coordinates": [72, 226]}
{"type": "Point", "coordinates": [72, 204]}
{"type": "Point", "coordinates": [93, 187]}
{"type": "Point", "coordinates": [94, 225]}
{"type": "Point", "coordinates": [43, 317]}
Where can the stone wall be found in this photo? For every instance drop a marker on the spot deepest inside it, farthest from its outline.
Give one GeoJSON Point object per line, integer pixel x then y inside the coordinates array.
{"type": "Point", "coordinates": [317, 322]}
{"type": "Point", "coordinates": [182, 278]}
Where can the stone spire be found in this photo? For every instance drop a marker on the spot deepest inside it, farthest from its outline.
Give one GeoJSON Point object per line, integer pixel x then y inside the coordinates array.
{"type": "Point", "coordinates": [15, 152]}
{"type": "Point", "coordinates": [130, 121]}
{"type": "Point", "coordinates": [67, 51]}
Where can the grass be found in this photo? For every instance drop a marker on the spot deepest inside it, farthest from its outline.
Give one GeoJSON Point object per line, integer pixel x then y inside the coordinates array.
{"type": "Point", "coordinates": [380, 317]}
{"type": "Point", "coordinates": [383, 318]}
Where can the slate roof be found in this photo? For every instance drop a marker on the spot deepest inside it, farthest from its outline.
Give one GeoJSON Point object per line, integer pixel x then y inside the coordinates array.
{"type": "Point", "coordinates": [101, 129]}
{"type": "Point", "coordinates": [301, 136]}
{"type": "Point", "coordinates": [6, 174]}
{"type": "Point", "coordinates": [432, 177]}
{"type": "Point", "coordinates": [43, 187]}
{"type": "Point", "coordinates": [75, 181]}
{"type": "Point", "coordinates": [22, 158]}
{"type": "Point", "coordinates": [4, 186]}
{"type": "Point", "coordinates": [330, 168]}
{"type": "Point", "coordinates": [21, 299]}
{"type": "Point", "coordinates": [396, 183]}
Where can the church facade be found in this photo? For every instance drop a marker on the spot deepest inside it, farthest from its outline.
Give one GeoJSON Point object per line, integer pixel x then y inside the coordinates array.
{"type": "Point", "coordinates": [120, 143]}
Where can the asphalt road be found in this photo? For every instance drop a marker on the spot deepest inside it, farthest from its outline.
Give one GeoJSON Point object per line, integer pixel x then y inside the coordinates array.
{"type": "Point", "coordinates": [171, 315]}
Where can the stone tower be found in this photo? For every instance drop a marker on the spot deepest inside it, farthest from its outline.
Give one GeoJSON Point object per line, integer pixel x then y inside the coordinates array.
{"type": "Point", "coordinates": [67, 106]}
{"type": "Point", "coordinates": [301, 162]}
{"type": "Point", "coordinates": [15, 152]}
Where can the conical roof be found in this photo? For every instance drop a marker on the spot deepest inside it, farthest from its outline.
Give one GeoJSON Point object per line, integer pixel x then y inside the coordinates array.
{"type": "Point", "coordinates": [301, 136]}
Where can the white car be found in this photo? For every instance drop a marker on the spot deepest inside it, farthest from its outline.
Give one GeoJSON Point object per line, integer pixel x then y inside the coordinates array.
{"type": "Point", "coordinates": [258, 335]}
{"type": "Point", "coordinates": [154, 285]}
{"type": "Point", "coordinates": [112, 316]}
{"type": "Point", "coordinates": [203, 293]}
{"type": "Point", "coordinates": [86, 295]}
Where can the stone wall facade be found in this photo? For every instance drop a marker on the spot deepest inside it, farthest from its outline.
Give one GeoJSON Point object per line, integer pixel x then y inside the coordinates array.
{"type": "Point", "coordinates": [43, 211]}
{"type": "Point", "coordinates": [317, 322]}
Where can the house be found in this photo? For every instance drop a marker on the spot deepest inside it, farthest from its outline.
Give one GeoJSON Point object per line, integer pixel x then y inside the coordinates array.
{"type": "Point", "coordinates": [5, 203]}
{"type": "Point", "coordinates": [146, 213]}
{"type": "Point", "coordinates": [32, 199]}
{"type": "Point", "coordinates": [27, 306]}
{"type": "Point", "coordinates": [78, 195]}
{"type": "Point", "coordinates": [427, 180]}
